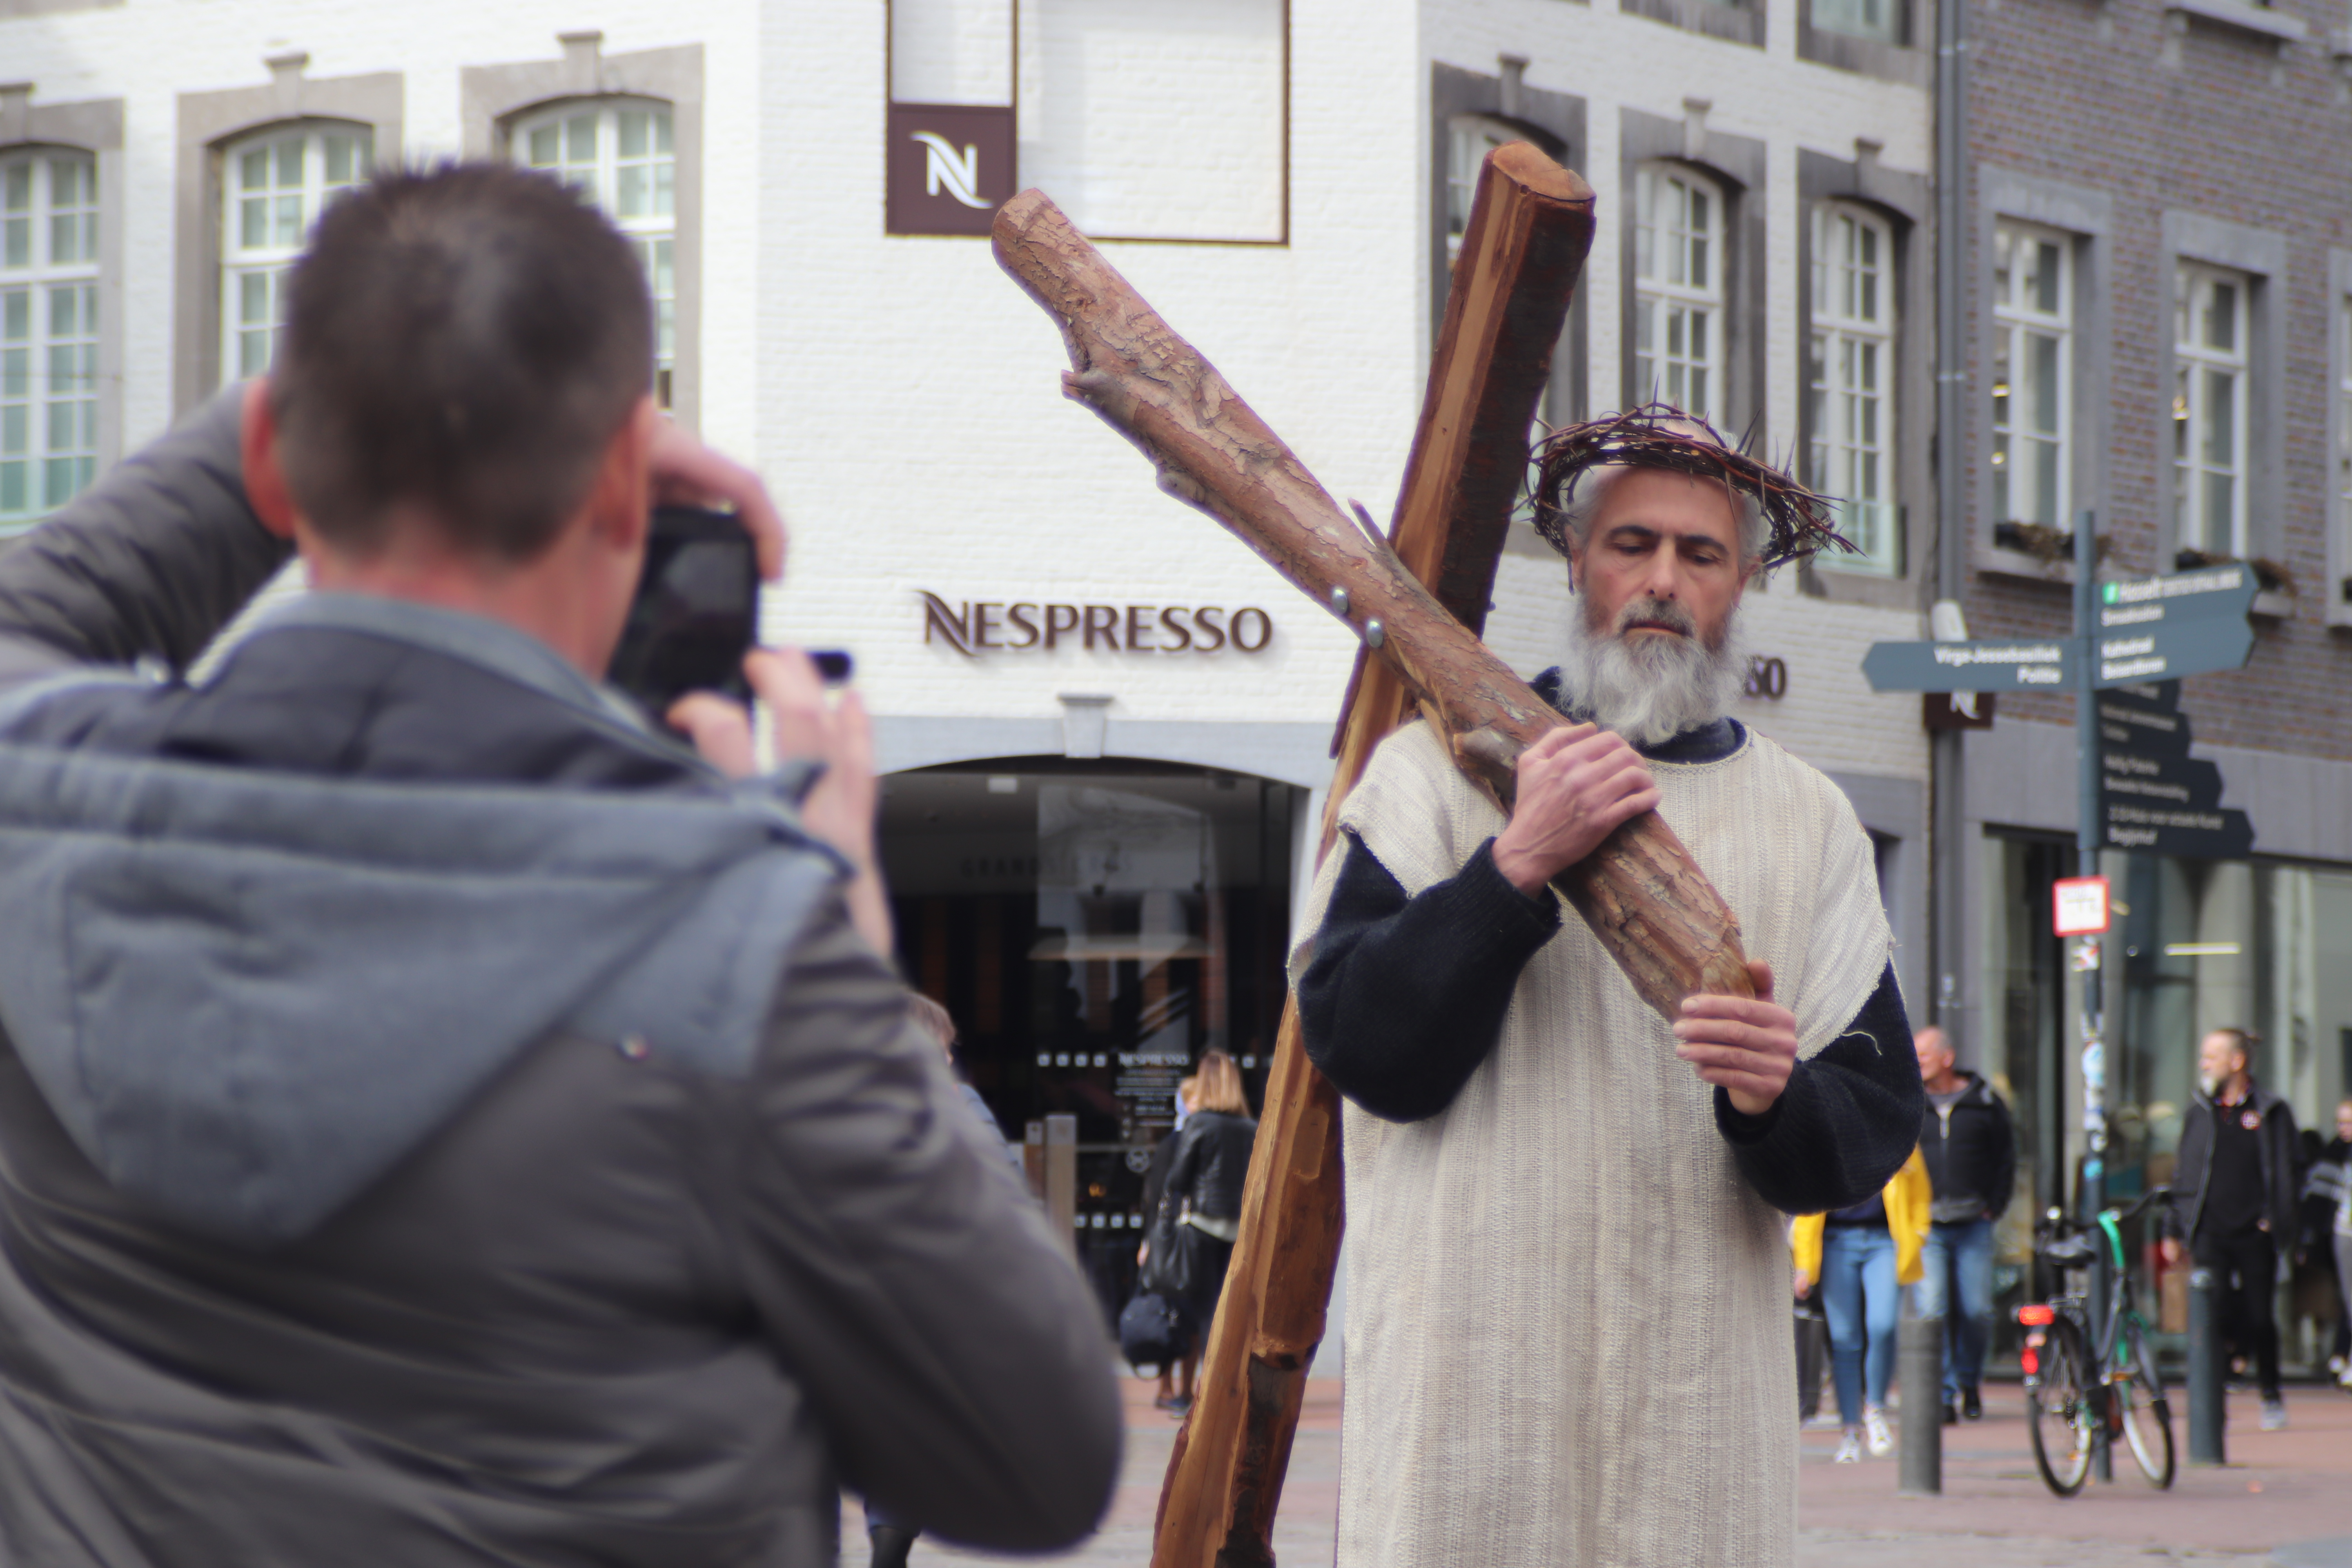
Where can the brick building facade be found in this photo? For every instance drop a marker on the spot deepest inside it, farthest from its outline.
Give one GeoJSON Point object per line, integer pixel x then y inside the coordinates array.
{"type": "Point", "coordinates": [2158, 248]}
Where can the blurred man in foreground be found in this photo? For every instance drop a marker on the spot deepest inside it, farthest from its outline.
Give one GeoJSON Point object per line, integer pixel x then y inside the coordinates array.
{"type": "Point", "coordinates": [442, 1121]}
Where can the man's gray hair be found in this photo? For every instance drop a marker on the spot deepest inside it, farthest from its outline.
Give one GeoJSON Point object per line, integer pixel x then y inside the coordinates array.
{"type": "Point", "coordinates": [1576, 517]}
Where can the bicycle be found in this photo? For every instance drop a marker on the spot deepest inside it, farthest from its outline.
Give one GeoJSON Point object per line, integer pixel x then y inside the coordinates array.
{"type": "Point", "coordinates": [2068, 1410]}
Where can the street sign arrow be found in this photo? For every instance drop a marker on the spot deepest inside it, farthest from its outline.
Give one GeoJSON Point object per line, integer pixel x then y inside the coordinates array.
{"type": "Point", "coordinates": [2165, 651]}
{"type": "Point", "coordinates": [2189, 782]}
{"type": "Point", "coordinates": [2219, 835]}
{"type": "Point", "coordinates": [2000, 666]}
{"type": "Point", "coordinates": [2212, 592]}
{"type": "Point", "coordinates": [2155, 731]}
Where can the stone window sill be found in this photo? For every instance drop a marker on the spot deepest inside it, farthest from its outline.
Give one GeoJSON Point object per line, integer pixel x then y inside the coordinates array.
{"type": "Point", "coordinates": [1999, 561]}
{"type": "Point", "coordinates": [2260, 20]}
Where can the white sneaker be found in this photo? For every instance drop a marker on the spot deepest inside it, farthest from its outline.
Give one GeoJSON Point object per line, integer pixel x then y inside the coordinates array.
{"type": "Point", "coordinates": [2345, 1381]}
{"type": "Point", "coordinates": [1881, 1441]}
{"type": "Point", "coordinates": [1849, 1451]}
{"type": "Point", "coordinates": [2274, 1415]}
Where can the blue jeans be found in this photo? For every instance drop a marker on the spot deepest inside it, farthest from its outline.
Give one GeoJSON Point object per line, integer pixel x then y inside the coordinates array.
{"type": "Point", "coordinates": [1957, 1258]}
{"type": "Point", "coordinates": [1863, 1302]}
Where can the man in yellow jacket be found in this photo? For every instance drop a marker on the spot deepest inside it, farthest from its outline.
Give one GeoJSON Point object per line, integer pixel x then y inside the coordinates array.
{"type": "Point", "coordinates": [1859, 1257]}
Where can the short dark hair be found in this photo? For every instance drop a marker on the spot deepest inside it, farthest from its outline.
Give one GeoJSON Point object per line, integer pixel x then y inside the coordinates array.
{"type": "Point", "coordinates": [466, 339]}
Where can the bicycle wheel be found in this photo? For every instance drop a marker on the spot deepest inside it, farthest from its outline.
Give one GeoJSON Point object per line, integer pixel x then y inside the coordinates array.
{"type": "Point", "coordinates": [2147, 1417]}
{"type": "Point", "coordinates": [2058, 1410]}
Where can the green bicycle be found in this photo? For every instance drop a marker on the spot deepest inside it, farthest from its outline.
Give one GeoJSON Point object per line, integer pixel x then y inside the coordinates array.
{"type": "Point", "coordinates": [2079, 1394]}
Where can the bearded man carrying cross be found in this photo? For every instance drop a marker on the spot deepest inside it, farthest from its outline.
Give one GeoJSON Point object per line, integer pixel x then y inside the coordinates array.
{"type": "Point", "coordinates": [1568, 1339]}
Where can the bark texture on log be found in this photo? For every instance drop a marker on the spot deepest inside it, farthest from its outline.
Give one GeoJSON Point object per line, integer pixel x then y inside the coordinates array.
{"type": "Point", "coordinates": [1648, 903]}
{"type": "Point", "coordinates": [1530, 227]}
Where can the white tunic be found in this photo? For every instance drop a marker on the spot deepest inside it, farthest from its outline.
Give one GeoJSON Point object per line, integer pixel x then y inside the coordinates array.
{"type": "Point", "coordinates": [1567, 1332]}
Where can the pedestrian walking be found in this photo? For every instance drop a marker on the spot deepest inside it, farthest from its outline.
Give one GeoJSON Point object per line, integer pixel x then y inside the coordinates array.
{"type": "Point", "coordinates": [1970, 1149]}
{"type": "Point", "coordinates": [2328, 1229]}
{"type": "Point", "coordinates": [1862, 1256]}
{"type": "Point", "coordinates": [2233, 1201]}
{"type": "Point", "coordinates": [1170, 1398]}
{"type": "Point", "coordinates": [1203, 1195]}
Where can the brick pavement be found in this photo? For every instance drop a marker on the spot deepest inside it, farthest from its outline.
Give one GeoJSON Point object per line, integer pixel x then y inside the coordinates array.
{"type": "Point", "coordinates": [2282, 1489]}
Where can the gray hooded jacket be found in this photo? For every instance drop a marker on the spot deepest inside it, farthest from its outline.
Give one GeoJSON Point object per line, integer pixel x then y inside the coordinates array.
{"type": "Point", "coordinates": [441, 1122]}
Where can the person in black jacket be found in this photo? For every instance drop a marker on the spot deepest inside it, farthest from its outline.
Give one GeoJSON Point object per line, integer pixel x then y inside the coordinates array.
{"type": "Point", "coordinates": [2234, 1200]}
{"type": "Point", "coordinates": [442, 1117]}
{"type": "Point", "coordinates": [1970, 1148]}
{"type": "Point", "coordinates": [1205, 1181]}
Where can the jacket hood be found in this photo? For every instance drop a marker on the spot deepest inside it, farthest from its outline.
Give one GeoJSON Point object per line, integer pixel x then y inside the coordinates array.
{"type": "Point", "coordinates": [247, 995]}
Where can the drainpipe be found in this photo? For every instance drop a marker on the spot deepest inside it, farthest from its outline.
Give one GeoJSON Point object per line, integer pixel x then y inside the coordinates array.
{"type": "Point", "coordinates": [1950, 831]}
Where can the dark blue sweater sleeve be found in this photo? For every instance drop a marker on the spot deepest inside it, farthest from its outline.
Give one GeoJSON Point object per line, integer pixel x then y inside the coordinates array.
{"type": "Point", "coordinates": [1846, 1122]}
{"type": "Point", "coordinates": [1405, 997]}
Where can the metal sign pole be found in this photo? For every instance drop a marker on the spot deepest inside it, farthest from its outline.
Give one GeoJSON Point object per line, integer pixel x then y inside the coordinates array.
{"type": "Point", "coordinates": [2088, 836]}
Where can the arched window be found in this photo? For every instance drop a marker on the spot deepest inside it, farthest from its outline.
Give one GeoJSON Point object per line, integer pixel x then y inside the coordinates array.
{"type": "Point", "coordinates": [1469, 139]}
{"type": "Point", "coordinates": [1850, 380]}
{"type": "Point", "coordinates": [49, 329]}
{"type": "Point", "coordinates": [1678, 294]}
{"type": "Point", "coordinates": [273, 184]}
{"type": "Point", "coordinates": [619, 152]}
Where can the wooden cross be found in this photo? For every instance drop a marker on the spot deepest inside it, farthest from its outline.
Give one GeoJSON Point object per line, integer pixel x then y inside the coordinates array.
{"type": "Point", "coordinates": [1420, 605]}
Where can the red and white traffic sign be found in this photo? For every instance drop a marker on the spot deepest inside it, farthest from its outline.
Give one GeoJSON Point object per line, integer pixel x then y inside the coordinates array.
{"type": "Point", "coordinates": [2079, 905]}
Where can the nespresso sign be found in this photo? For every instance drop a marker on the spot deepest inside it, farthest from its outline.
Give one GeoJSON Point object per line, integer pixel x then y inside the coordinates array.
{"type": "Point", "coordinates": [977, 627]}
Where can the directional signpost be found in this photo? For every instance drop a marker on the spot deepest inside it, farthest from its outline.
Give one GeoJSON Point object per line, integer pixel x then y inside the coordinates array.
{"type": "Point", "coordinates": [2134, 640]}
{"type": "Point", "coordinates": [2153, 795]}
{"type": "Point", "coordinates": [2137, 786]}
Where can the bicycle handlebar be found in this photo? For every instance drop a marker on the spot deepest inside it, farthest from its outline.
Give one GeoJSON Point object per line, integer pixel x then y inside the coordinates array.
{"type": "Point", "coordinates": [2058, 1227]}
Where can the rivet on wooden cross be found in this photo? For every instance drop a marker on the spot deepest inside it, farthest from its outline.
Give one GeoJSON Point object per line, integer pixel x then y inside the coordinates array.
{"type": "Point", "coordinates": [1648, 904]}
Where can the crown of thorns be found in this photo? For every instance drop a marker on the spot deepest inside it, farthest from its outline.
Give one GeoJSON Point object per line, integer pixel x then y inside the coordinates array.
{"type": "Point", "coordinates": [1658, 436]}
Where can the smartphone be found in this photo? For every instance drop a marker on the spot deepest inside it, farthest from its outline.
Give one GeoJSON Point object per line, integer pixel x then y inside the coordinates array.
{"type": "Point", "coordinates": [696, 614]}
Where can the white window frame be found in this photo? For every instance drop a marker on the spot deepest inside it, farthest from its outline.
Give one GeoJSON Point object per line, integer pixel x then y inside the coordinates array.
{"type": "Point", "coordinates": [2209, 443]}
{"type": "Point", "coordinates": [264, 227]}
{"type": "Point", "coordinates": [1680, 307]}
{"type": "Point", "coordinates": [1468, 139]}
{"type": "Point", "coordinates": [637, 190]}
{"type": "Point", "coordinates": [2027, 331]}
{"type": "Point", "coordinates": [49, 329]}
{"type": "Point", "coordinates": [1851, 383]}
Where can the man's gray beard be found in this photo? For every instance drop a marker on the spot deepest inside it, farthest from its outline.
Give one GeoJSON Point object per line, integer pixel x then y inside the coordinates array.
{"type": "Point", "coordinates": [1651, 690]}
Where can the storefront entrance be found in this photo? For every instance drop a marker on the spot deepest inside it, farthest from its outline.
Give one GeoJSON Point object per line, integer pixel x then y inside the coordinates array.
{"type": "Point", "coordinates": [1094, 927]}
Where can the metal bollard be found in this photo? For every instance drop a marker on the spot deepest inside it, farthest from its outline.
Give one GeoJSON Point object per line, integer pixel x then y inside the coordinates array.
{"type": "Point", "coordinates": [1920, 1350]}
{"type": "Point", "coordinates": [1062, 1179]}
{"type": "Point", "coordinates": [2206, 1366]}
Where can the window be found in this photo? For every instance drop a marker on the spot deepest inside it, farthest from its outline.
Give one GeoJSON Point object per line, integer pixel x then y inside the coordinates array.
{"type": "Point", "coordinates": [620, 154]}
{"type": "Point", "coordinates": [1470, 138]}
{"type": "Point", "coordinates": [273, 187]}
{"type": "Point", "coordinates": [2343, 439]}
{"type": "Point", "coordinates": [48, 330]}
{"type": "Point", "coordinates": [2209, 409]}
{"type": "Point", "coordinates": [1880, 19]}
{"type": "Point", "coordinates": [1679, 224]}
{"type": "Point", "coordinates": [2033, 374]}
{"type": "Point", "coordinates": [1850, 381]}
